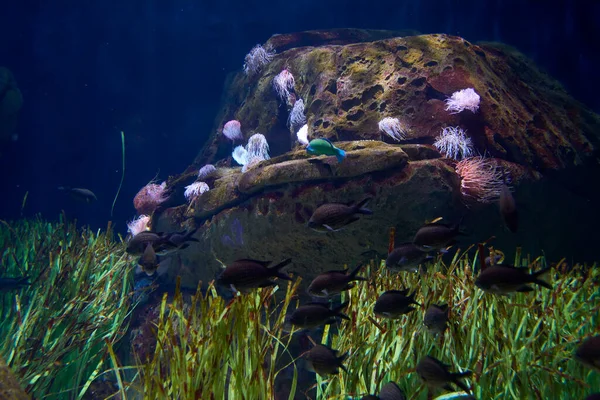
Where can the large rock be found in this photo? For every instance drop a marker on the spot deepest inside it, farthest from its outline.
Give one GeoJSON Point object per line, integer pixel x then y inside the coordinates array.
{"type": "Point", "coordinates": [547, 140]}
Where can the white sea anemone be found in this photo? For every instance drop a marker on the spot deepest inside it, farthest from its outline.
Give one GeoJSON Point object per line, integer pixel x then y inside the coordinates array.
{"type": "Point", "coordinates": [194, 190]}
{"type": "Point", "coordinates": [257, 58]}
{"type": "Point", "coordinates": [302, 135]}
{"type": "Point", "coordinates": [257, 147]}
{"type": "Point", "coordinates": [283, 83]}
{"type": "Point", "coordinates": [466, 99]}
{"type": "Point", "coordinates": [240, 155]}
{"type": "Point", "coordinates": [454, 143]}
{"type": "Point", "coordinates": [393, 128]}
{"type": "Point", "coordinates": [206, 171]}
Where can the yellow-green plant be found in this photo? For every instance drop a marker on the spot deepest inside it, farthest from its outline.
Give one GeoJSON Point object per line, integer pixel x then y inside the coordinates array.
{"type": "Point", "coordinates": [518, 346]}
{"type": "Point", "coordinates": [55, 330]}
{"type": "Point", "coordinates": [210, 349]}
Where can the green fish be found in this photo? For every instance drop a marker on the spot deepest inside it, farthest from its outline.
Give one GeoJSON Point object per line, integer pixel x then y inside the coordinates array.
{"type": "Point", "coordinates": [319, 147]}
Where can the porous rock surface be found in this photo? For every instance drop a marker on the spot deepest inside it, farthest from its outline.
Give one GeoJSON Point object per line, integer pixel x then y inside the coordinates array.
{"type": "Point", "coordinates": [526, 121]}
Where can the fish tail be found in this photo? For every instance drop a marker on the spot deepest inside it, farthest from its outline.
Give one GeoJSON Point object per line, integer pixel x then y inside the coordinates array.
{"type": "Point", "coordinates": [355, 272]}
{"type": "Point", "coordinates": [456, 380]}
{"type": "Point", "coordinates": [275, 270]}
{"type": "Point", "coordinates": [342, 358]}
{"type": "Point", "coordinates": [340, 155]}
{"type": "Point", "coordinates": [536, 278]}
{"type": "Point", "coordinates": [360, 206]}
{"type": "Point", "coordinates": [338, 311]}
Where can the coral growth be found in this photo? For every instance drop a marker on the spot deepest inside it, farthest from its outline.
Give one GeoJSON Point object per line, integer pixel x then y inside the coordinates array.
{"type": "Point", "coordinates": [393, 128]}
{"type": "Point", "coordinates": [150, 197]}
{"type": "Point", "coordinates": [257, 58]}
{"type": "Point", "coordinates": [466, 99]}
{"type": "Point", "coordinates": [454, 143]}
{"type": "Point", "coordinates": [481, 179]}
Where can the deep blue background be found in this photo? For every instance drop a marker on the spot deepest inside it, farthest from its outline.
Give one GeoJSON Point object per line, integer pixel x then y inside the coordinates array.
{"type": "Point", "coordinates": [155, 69]}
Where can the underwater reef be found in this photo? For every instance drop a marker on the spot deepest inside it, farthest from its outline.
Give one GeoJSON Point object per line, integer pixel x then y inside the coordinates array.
{"type": "Point", "coordinates": [525, 125]}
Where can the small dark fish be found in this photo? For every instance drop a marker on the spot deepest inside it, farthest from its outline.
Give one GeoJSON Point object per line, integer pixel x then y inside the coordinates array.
{"type": "Point", "coordinates": [406, 257]}
{"type": "Point", "coordinates": [149, 260]}
{"type": "Point", "coordinates": [588, 352]}
{"type": "Point", "coordinates": [394, 304]}
{"type": "Point", "coordinates": [335, 216]}
{"type": "Point", "coordinates": [436, 374]}
{"type": "Point", "coordinates": [81, 194]}
{"type": "Point", "coordinates": [333, 282]}
{"type": "Point", "coordinates": [436, 319]}
{"type": "Point", "coordinates": [137, 244]}
{"type": "Point", "coordinates": [391, 391]}
{"type": "Point", "coordinates": [324, 360]}
{"type": "Point", "coordinates": [176, 241]}
{"type": "Point", "coordinates": [435, 236]}
{"type": "Point", "coordinates": [370, 397]}
{"type": "Point", "coordinates": [506, 279]}
{"type": "Point", "coordinates": [7, 284]}
{"type": "Point", "coordinates": [315, 314]}
{"type": "Point", "coordinates": [250, 274]}
{"type": "Point", "coordinates": [593, 396]}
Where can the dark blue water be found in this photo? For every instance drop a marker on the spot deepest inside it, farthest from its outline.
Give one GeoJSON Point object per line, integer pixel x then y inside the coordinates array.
{"type": "Point", "coordinates": [155, 69]}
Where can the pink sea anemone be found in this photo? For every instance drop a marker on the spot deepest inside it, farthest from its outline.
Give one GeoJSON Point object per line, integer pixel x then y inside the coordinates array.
{"type": "Point", "coordinates": [149, 197]}
{"type": "Point", "coordinates": [138, 224]}
{"type": "Point", "coordinates": [232, 130]}
{"type": "Point", "coordinates": [481, 179]}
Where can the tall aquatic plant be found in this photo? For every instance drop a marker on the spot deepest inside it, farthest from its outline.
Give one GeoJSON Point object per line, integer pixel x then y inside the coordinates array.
{"type": "Point", "coordinates": [212, 349]}
{"type": "Point", "coordinates": [517, 347]}
{"type": "Point", "coordinates": [55, 330]}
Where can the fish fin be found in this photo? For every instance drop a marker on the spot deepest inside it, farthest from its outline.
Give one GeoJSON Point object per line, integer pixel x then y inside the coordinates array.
{"type": "Point", "coordinates": [263, 263]}
{"type": "Point", "coordinates": [351, 220]}
{"type": "Point", "coordinates": [343, 316]}
{"type": "Point", "coordinates": [338, 310]}
{"type": "Point", "coordinates": [403, 292]}
{"type": "Point", "coordinates": [330, 229]}
{"type": "Point", "coordinates": [456, 380]}
{"type": "Point", "coordinates": [340, 154]}
{"type": "Point", "coordinates": [342, 358]}
{"type": "Point", "coordinates": [524, 289]}
{"type": "Point", "coordinates": [267, 284]}
{"type": "Point", "coordinates": [275, 270]}
{"type": "Point", "coordinates": [352, 276]}
{"type": "Point", "coordinates": [540, 282]}
{"type": "Point", "coordinates": [360, 206]}
{"type": "Point", "coordinates": [410, 309]}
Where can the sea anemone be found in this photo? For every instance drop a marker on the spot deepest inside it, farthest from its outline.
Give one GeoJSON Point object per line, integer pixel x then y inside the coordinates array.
{"type": "Point", "coordinates": [297, 117]}
{"type": "Point", "coordinates": [258, 147]}
{"type": "Point", "coordinates": [466, 99]}
{"type": "Point", "coordinates": [481, 179]}
{"type": "Point", "coordinates": [302, 135]}
{"type": "Point", "coordinates": [240, 155]}
{"type": "Point", "coordinates": [232, 130]}
{"type": "Point", "coordinates": [393, 128]}
{"type": "Point", "coordinates": [283, 84]}
{"type": "Point", "coordinates": [138, 224]}
{"type": "Point", "coordinates": [194, 190]}
{"type": "Point", "coordinates": [206, 171]}
{"type": "Point", "coordinates": [257, 58]}
{"type": "Point", "coordinates": [149, 197]}
{"type": "Point", "coordinates": [454, 143]}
